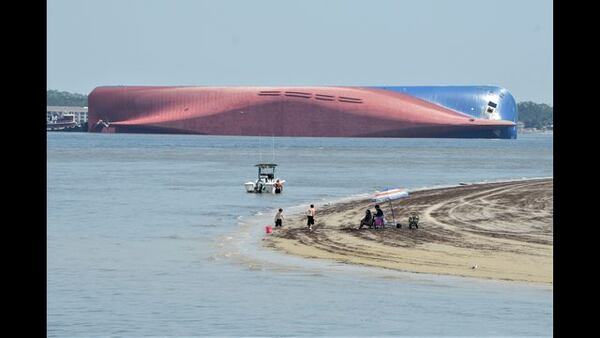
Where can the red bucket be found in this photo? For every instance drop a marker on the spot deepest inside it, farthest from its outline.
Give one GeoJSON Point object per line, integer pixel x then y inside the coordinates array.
{"type": "Point", "coordinates": [268, 229]}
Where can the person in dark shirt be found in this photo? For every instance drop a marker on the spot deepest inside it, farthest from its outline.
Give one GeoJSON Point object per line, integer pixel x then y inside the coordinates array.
{"type": "Point", "coordinates": [279, 218]}
{"type": "Point", "coordinates": [367, 220]}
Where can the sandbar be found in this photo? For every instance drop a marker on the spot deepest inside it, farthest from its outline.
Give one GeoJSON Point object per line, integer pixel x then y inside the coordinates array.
{"type": "Point", "coordinates": [500, 231]}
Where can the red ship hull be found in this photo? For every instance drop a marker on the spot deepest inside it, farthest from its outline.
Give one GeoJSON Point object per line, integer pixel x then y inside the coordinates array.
{"type": "Point", "coordinates": [278, 111]}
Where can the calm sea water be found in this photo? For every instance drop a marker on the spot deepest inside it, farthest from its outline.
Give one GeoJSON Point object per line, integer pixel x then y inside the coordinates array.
{"type": "Point", "coordinates": [153, 235]}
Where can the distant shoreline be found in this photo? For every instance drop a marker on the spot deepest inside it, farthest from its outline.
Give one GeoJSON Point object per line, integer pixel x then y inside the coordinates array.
{"type": "Point", "coordinates": [534, 131]}
{"type": "Point", "coordinates": [498, 230]}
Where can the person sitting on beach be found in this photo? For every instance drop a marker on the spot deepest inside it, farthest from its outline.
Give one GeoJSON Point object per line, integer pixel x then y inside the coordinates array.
{"type": "Point", "coordinates": [379, 222]}
{"type": "Point", "coordinates": [367, 220]}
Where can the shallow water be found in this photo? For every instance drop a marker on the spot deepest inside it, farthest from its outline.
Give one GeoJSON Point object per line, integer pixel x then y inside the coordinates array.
{"type": "Point", "coordinates": [153, 235]}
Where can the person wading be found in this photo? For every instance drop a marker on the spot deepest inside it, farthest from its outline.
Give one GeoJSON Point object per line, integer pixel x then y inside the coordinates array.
{"type": "Point", "coordinates": [278, 187]}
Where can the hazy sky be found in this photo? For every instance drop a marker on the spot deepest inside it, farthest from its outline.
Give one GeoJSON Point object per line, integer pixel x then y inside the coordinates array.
{"type": "Point", "coordinates": [275, 42]}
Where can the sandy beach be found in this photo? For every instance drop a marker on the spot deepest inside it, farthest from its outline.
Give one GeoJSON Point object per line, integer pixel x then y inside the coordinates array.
{"type": "Point", "coordinates": [500, 231]}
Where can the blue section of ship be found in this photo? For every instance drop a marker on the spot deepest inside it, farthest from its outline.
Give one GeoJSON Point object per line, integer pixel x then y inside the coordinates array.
{"type": "Point", "coordinates": [484, 102]}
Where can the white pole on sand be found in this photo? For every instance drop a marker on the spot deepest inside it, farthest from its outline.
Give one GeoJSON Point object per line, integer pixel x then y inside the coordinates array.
{"type": "Point", "coordinates": [392, 207]}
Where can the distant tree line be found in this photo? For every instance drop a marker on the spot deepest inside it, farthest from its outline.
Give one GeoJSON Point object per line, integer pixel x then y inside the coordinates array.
{"type": "Point", "coordinates": [535, 115]}
{"type": "Point", "coordinates": [57, 98]}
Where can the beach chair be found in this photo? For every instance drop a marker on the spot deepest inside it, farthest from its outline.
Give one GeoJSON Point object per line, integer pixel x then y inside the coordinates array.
{"type": "Point", "coordinates": [413, 221]}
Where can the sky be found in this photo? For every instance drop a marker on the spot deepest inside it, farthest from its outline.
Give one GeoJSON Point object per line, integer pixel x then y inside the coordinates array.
{"type": "Point", "coordinates": [505, 43]}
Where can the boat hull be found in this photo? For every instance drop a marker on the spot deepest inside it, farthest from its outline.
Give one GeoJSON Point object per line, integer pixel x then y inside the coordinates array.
{"type": "Point", "coordinates": [294, 111]}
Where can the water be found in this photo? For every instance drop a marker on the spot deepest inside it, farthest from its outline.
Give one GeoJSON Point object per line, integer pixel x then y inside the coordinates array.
{"type": "Point", "coordinates": [153, 235]}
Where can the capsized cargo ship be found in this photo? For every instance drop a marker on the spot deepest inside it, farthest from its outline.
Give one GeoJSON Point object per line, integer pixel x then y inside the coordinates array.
{"type": "Point", "coordinates": [379, 111]}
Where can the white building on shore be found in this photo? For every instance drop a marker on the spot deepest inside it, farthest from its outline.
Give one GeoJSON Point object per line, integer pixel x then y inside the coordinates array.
{"type": "Point", "coordinates": [65, 118]}
{"type": "Point", "coordinates": [80, 114]}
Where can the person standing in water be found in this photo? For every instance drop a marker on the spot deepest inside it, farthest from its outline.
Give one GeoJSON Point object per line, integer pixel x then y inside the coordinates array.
{"type": "Point", "coordinates": [279, 218]}
{"type": "Point", "coordinates": [310, 214]}
{"type": "Point", "coordinates": [278, 187]}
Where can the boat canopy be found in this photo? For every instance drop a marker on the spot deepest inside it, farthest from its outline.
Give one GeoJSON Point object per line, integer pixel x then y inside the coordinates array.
{"type": "Point", "coordinates": [266, 170]}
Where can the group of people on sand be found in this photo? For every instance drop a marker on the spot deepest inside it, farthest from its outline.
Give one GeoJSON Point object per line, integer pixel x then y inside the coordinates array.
{"type": "Point", "coordinates": [377, 221]}
{"type": "Point", "coordinates": [373, 221]}
{"type": "Point", "coordinates": [310, 217]}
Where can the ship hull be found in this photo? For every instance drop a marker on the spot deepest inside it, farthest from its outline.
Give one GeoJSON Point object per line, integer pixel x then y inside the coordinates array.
{"type": "Point", "coordinates": [289, 111]}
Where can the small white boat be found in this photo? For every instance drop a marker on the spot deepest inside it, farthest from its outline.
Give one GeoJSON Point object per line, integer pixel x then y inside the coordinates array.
{"type": "Point", "coordinates": [266, 180]}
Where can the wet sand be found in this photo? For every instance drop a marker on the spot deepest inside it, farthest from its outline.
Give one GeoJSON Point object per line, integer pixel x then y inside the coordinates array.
{"type": "Point", "coordinates": [493, 230]}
